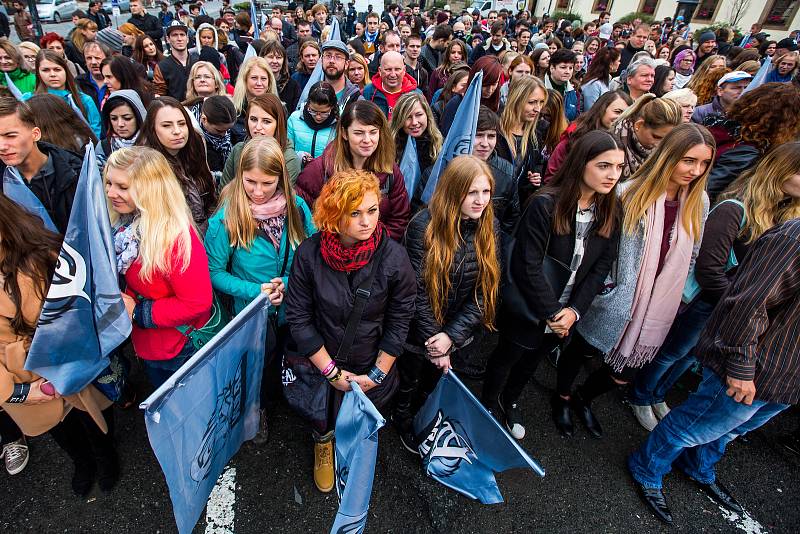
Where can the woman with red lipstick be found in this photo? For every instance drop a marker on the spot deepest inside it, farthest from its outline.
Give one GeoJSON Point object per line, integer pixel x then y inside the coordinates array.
{"type": "Point", "coordinates": [571, 227]}
{"type": "Point", "coordinates": [454, 251]}
{"type": "Point", "coordinates": [168, 129]}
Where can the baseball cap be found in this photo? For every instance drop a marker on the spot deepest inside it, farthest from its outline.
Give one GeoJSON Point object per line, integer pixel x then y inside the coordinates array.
{"type": "Point", "coordinates": [735, 76]}
{"type": "Point", "coordinates": [788, 44]}
{"type": "Point", "coordinates": [335, 44]}
{"type": "Point", "coordinates": [605, 30]}
{"type": "Point", "coordinates": [176, 25]}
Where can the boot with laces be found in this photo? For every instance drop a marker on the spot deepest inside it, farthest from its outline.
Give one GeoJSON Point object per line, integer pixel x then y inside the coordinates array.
{"type": "Point", "coordinates": [323, 463]}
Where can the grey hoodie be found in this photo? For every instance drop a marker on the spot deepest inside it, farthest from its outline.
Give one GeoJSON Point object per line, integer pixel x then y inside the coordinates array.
{"type": "Point", "coordinates": [105, 147]}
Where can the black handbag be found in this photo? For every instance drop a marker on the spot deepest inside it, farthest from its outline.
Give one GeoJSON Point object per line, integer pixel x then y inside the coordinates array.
{"type": "Point", "coordinates": [304, 387]}
{"type": "Point", "coordinates": [556, 275]}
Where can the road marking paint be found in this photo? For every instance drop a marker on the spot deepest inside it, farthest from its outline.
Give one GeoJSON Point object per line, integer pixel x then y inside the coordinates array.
{"type": "Point", "coordinates": [220, 510]}
{"type": "Point", "coordinates": [745, 522]}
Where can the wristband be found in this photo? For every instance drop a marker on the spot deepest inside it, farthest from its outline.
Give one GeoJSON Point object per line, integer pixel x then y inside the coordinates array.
{"type": "Point", "coordinates": [376, 375]}
{"type": "Point", "coordinates": [329, 368]}
{"type": "Point", "coordinates": [20, 394]}
{"type": "Point", "coordinates": [336, 376]}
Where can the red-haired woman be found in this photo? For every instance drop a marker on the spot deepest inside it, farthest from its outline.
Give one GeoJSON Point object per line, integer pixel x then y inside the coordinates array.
{"type": "Point", "coordinates": [351, 255]}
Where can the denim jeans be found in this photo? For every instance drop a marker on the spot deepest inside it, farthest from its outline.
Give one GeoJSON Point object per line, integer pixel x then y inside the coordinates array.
{"type": "Point", "coordinates": [656, 378]}
{"type": "Point", "coordinates": [694, 434]}
{"type": "Point", "coordinates": [158, 371]}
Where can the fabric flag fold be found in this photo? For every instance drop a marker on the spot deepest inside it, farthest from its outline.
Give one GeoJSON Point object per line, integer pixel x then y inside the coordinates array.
{"type": "Point", "coordinates": [462, 445]}
{"type": "Point", "coordinates": [317, 75]}
{"type": "Point", "coordinates": [254, 19]}
{"type": "Point", "coordinates": [409, 166]}
{"type": "Point", "coordinates": [357, 428]}
{"type": "Point", "coordinates": [335, 34]}
{"type": "Point", "coordinates": [197, 420]}
{"type": "Point", "coordinates": [15, 189]}
{"type": "Point", "coordinates": [249, 54]}
{"type": "Point", "coordinates": [760, 76]}
{"type": "Point", "coordinates": [83, 317]}
{"type": "Point", "coordinates": [461, 135]}
{"type": "Point", "coordinates": [13, 89]}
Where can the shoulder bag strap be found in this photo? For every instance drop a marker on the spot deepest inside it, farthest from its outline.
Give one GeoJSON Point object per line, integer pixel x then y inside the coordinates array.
{"type": "Point", "coordinates": [363, 293]}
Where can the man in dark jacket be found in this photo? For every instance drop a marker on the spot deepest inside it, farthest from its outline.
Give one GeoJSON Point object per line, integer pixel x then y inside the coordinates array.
{"type": "Point", "coordinates": [335, 61]}
{"type": "Point", "coordinates": [92, 82]}
{"type": "Point", "coordinates": [97, 15]}
{"type": "Point", "coordinates": [729, 88]}
{"type": "Point", "coordinates": [390, 41]}
{"type": "Point", "coordinates": [494, 46]}
{"type": "Point", "coordinates": [635, 44]}
{"type": "Point", "coordinates": [146, 22]}
{"type": "Point", "coordinates": [751, 373]}
{"type": "Point", "coordinates": [413, 65]}
{"type": "Point", "coordinates": [431, 54]}
{"type": "Point", "coordinates": [50, 172]}
{"type": "Point", "coordinates": [172, 72]}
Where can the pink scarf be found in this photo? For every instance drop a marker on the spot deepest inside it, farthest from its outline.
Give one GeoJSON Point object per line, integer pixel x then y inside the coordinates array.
{"type": "Point", "coordinates": [270, 216]}
{"type": "Point", "coordinates": [656, 299]}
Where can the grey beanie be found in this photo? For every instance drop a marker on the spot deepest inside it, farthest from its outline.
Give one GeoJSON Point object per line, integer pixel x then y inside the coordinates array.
{"type": "Point", "coordinates": [706, 36]}
{"type": "Point", "coordinates": [112, 38]}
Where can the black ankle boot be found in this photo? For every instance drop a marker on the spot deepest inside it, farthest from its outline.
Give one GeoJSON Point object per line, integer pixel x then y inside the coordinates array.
{"type": "Point", "coordinates": [562, 417]}
{"type": "Point", "coordinates": [83, 477]}
{"type": "Point", "coordinates": [107, 473]}
{"type": "Point", "coordinates": [583, 410]}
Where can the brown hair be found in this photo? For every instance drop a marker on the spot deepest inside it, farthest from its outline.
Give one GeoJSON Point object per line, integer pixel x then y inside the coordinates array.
{"type": "Point", "coordinates": [763, 123]}
{"type": "Point", "coordinates": [273, 106]}
{"type": "Point", "coordinates": [369, 114]}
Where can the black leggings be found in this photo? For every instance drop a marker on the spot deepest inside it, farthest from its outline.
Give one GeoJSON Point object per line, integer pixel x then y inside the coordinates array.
{"type": "Point", "coordinates": [9, 431]}
{"type": "Point", "coordinates": [604, 379]}
{"type": "Point", "coordinates": [418, 378]}
{"type": "Point", "coordinates": [82, 439]}
{"type": "Point", "coordinates": [511, 367]}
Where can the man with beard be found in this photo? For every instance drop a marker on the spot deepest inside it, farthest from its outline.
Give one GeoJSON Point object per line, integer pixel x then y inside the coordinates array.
{"type": "Point", "coordinates": [335, 62]}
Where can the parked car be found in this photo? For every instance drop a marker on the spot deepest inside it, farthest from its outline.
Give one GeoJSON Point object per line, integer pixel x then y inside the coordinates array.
{"type": "Point", "coordinates": [124, 5]}
{"type": "Point", "coordinates": [56, 10]}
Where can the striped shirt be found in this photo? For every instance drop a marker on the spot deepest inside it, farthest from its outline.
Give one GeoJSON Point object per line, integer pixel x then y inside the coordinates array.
{"type": "Point", "coordinates": [583, 223]}
{"type": "Point", "coordinates": [754, 333]}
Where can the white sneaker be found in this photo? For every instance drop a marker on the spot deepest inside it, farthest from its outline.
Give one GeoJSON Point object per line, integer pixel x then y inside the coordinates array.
{"type": "Point", "coordinates": [660, 410]}
{"type": "Point", "coordinates": [644, 414]}
{"type": "Point", "coordinates": [16, 456]}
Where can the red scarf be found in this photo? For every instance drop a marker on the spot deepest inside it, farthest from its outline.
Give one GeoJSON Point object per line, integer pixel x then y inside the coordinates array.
{"type": "Point", "coordinates": [341, 258]}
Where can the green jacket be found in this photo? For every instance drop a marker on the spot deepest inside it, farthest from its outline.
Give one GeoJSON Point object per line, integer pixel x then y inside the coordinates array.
{"type": "Point", "coordinates": [292, 163]}
{"type": "Point", "coordinates": [239, 272]}
{"type": "Point", "coordinates": [25, 81]}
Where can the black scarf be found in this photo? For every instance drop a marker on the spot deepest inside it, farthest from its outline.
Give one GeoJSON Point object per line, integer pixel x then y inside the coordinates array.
{"type": "Point", "coordinates": [317, 126]}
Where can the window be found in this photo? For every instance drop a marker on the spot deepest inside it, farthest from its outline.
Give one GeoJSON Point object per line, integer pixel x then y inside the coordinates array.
{"type": "Point", "coordinates": [780, 13]}
{"type": "Point", "coordinates": [600, 5]}
{"type": "Point", "coordinates": [563, 4]}
{"type": "Point", "coordinates": [706, 10]}
{"type": "Point", "coordinates": [648, 6]}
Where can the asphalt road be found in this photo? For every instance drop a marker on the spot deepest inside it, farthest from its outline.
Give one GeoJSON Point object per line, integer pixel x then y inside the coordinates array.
{"type": "Point", "coordinates": [271, 489]}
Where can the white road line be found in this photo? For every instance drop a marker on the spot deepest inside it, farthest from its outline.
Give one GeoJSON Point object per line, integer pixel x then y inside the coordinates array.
{"type": "Point", "coordinates": [220, 510]}
{"type": "Point", "coordinates": [743, 522]}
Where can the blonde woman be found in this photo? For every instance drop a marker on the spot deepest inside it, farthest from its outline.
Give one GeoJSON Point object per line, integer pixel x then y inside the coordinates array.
{"type": "Point", "coordinates": [255, 79]}
{"type": "Point", "coordinates": [454, 252]}
{"type": "Point", "coordinates": [412, 116]}
{"type": "Point", "coordinates": [252, 237]}
{"type": "Point", "coordinates": [765, 196]}
{"type": "Point", "coordinates": [358, 71]}
{"type": "Point", "coordinates": [526, 98]}
{"type": "Point", "coordinates": [85, 30]}
{"type": "Point", "coordinates": [686, 99]}
{"type": "Point", "coordinates": [204, 81]}
{"type": "Point", "coordinates": [665, 207]}
{"type": "Point", "coordinates": [161, 257]}
{"type": "Point", "coordinates": [29, 51]}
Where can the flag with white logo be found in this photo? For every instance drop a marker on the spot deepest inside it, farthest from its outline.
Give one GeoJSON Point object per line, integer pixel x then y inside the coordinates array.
{"type": "Point", "coordinates": [462, 445]}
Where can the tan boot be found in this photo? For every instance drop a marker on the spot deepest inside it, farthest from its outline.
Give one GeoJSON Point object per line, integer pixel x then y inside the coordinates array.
{"type": "Point", "coordinates": [323, 463]}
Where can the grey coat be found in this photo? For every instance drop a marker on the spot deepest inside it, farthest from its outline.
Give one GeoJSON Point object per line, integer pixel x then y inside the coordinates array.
{"type": "Point", "coordinates": [605, 321]}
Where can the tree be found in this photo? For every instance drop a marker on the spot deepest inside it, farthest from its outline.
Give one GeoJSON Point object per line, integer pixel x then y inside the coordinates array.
{"type": "Point", "coordinates": [737, 11]}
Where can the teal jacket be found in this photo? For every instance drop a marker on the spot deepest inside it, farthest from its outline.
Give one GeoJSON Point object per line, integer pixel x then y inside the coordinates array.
{"type": "Point", "coordinates": [92, 116]}
{"type": "Point", "coordinates": [248, 268]}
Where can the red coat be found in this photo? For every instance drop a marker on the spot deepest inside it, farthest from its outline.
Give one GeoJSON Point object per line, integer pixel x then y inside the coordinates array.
{"type": "Point", "coordinates": [559, 155]}
{"type": "Point", "coordinates": [394, 206]}
{"type": "Point", "coordinates": [179, 298]}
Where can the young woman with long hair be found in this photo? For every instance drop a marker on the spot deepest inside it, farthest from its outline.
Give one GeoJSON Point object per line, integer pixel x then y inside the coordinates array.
{"type": "Point", "coordinates": [358, 71]}
{"type": "Point", "coordinates": [168, 129]}
{"type": "Point", "coordinates": [288, 89]}
{"type": "Point", "coordinates": [59, 123]}
{"type": "Point", "coordinates": [129, 33]}
{"type": "Point", "coordinates": [147, 54]}
{"type": "Point", "coordinates": [490, 89]}
{"type": "Point", "coordinates": [663, 81]}
{"type": "Point", "coordinates": [353, 249]}
{"type": "Point", "coordinates": [252, 238]}
{"type": "Point", "coordinates": [123, 118]}
{"type": "Point", "coordinates": [85, 30]}
{"type": "Point", "coordinates": [53, 76]}
{"type": "Point", "coordinates": [598, 76]}
{"type": "Point", "coordinates": [455, 52]}
{"type": "Point", "coordinates": [541, 62]}
{"type": "Point", "coordinates": [308, 55]}
{"type": "Point", "coordinates": [363, 142]}
{"type": "Point", "coordinates": [159, 255]}
{"type": "Point", "coordinates": [601, 116]}
{"type": "Point", "coordinates": [13, 65]}
{"type": "Point", "coordinates": [751, 128]}
{"type": "Point", "coordinates": [521, 65]}
{"type": "Point", "coordinates": [120, 73]}
{"type": "Point", "coordinates": [573, 221]}
{"type": "Point", "coordinates": [454, 251]}
{"type": "Point", "coordinates": [255, 79]}
{"type": "Point", "coordinates": [705, 85]}
{"type": "Point", "coordinates": [642, 127]}
{"type": "Point", "coordinates": [312, 128]}
{"type": "Point", "coordinates": [412, 116]}
{"type": "Point", "coordinates": [456, 85]}
{"type": "Point", "coordinates": [761, 198]}
{"type": "Point", "coordinates": [82, 424]}
{"type": "Point", "coordinates": [265, 116]}
{"type": "Point", "coordinates": [518, 124]}
{"type": "Point", "coordinates": [665, 207]}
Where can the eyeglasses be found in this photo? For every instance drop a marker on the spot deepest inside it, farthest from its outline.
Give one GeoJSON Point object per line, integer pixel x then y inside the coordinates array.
{"type": "Point", "coordinates": [333, 57]}
{"type": "Point", "coordinates": [319, 114]}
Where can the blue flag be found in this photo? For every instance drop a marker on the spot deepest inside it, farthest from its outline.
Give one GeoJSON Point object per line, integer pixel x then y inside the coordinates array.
{"type": "Point", "coordinates": [201, 415]}
{"type": "Point", "coordinates": [83, 317]}
{"type": "Point", "coordinates": [461, 135]}
{"type": "Point", "coordinates": [462, 445]}
{"type": "Point", "coordinates": [357, 428]}
{"type": "Point", "coordinates": [760, 76]}
{"type": "Point", "coordinates": [249, 54]}
{"type": "Point", "coordinates": [254, 19]}
{"type": "Point", "coordinates": [317, 75]}
{"type": "Point", "coordinates": [15, 189]}
{"type": "Point", "coordinates": [409, 166]}
{"type": "Point", "coordinates": [335, 34]}
{"type": "Point", "coordinates": [13, 89]}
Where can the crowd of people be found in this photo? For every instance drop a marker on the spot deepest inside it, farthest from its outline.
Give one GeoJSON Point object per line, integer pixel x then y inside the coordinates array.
{"type": "Point", "coordinates": [631, 196]}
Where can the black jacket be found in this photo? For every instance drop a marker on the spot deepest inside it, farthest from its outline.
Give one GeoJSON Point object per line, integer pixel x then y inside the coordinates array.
{"type": "Point", "coordinates": [101, 19]}
{"type": "Point", "coordinates": [626, 55]}
{"type": "Point", "coordinates": [150, 25]}
{"type": "Point", "coordinates": [319, 301]}
{"type": "Point", "coordinates": [463, 313]}
{"type": "Point", "coordinates": [176, 75]}
{"type": "Point", "coordinates": [526, 269]}
{"type": "Point", "coordinates": [56, 191]}
{"type": "Point", "coordinates": [429, 58]}
{"type": "Point", "coordinates": [505, 199]}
